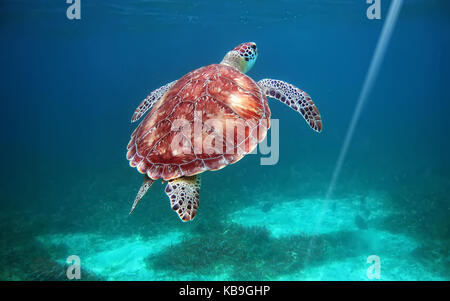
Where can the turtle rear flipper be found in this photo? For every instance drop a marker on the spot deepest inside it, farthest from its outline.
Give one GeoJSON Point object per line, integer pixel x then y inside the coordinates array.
{"type": "Point", "coordinates": [144, 187]}
{"type": "Point", "coordinates": [184, 194]}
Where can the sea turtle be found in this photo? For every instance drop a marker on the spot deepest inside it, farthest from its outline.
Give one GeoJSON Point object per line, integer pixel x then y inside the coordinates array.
{"type": "Point", "coordinates": [171, 143]}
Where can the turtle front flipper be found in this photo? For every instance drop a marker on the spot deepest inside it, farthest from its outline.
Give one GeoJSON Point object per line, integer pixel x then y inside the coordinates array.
{"type": "Point", "coordinates": [144, 187]}
{"type": "Point", "coordinates": [150, 100]}
{"type": "Point", "coordinates": [184, 194]}
{"type": "Point", "coordinates": [295, 98]}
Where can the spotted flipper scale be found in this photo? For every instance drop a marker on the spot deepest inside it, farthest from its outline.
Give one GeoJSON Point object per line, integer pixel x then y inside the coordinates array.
{"type": "Point", "coordinates": [184, 196]}
{"type": "Point", "coordinates": [295, 98]}
{"type": "Point", "coordinates": [150, 100]}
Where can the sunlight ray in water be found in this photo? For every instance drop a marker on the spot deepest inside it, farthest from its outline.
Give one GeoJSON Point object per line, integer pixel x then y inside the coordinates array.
{"type": "Point", "coordinates": [371, 76]}
{"type": "Point", "coordinates": [377, 60]}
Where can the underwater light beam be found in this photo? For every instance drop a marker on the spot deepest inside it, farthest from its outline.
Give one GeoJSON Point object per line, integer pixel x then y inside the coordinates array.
{"type": "Point", "coordinates": [371, 76]}
{"type": "Point", "coordinates": [377, 59]}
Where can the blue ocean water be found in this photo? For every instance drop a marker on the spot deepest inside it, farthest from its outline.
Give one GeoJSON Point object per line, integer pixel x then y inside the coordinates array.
{"type": "Point", "coordinates": [69, 88]}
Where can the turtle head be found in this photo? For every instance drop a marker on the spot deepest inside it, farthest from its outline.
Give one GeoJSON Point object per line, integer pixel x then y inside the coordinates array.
{"type": "Point", "coordinates": [242, 57]}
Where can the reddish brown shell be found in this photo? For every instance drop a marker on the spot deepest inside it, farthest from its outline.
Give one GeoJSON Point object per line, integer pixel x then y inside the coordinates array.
{"type": "Point", "coordinates": [187, 131]}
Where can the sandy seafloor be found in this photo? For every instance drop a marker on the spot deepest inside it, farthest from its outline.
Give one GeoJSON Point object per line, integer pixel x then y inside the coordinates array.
{"type": "Point", "coordinates": [125, 257]}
